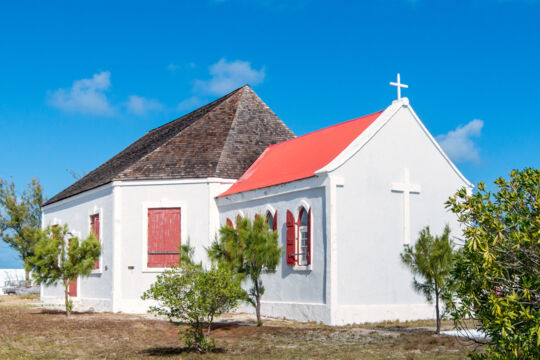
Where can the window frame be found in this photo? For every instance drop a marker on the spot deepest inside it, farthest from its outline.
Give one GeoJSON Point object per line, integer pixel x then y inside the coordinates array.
{"type": "Point", "coordinates": [303, 206]}
{"type": "Point", "coordinates": [183, 230]}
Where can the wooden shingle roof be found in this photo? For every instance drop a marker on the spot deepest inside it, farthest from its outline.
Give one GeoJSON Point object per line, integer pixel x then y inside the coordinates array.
{"type": "Point", "coordinates": [221, 139]}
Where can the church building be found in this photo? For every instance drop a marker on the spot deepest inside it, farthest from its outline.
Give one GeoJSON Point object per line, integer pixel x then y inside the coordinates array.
{"type": "Point", "coordinates": [344, 201]}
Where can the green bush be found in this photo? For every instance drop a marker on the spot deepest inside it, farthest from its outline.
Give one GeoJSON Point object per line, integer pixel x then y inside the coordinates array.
{"type": "Point", "coordinates": [497, 272]}
{"type": "Point", "coordinates": [193, 295]}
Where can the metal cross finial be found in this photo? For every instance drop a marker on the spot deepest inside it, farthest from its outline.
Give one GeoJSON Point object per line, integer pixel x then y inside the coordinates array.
{"type": "Point", "coordinates": [399, 85]}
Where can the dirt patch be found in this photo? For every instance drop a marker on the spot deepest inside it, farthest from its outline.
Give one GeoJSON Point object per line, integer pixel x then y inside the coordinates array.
{"type": "Point", "coordinates": [37, 333]}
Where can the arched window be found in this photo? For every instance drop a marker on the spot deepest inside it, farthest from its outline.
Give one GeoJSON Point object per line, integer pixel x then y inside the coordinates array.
{"type": "Point", "coordinates": [271, 219]}
{"type": "Point", "coordinates": [304, 241]}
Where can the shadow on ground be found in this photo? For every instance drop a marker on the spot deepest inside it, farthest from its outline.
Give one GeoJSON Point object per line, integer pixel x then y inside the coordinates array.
{"type": "Point", "coordinates": [168, 351]}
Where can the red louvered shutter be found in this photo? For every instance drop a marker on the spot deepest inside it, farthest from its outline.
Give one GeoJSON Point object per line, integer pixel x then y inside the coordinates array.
{"type": "Point", "coordinates": [309, 237]}
{"type": "Point", "coordinates": [72, 288]}
{"type": "Point", "coordinates": [94, 228]}
{"type": "Point", "coordinates": [163, 237]}
{"type": "Point", "coordinates": [274, 223]}
{"type": "Point", "coordinates": [72, 285]}
{"type": "Point", "coordinates": [229, 222]}
{"type": "Point", "coordinates": [291, 237]}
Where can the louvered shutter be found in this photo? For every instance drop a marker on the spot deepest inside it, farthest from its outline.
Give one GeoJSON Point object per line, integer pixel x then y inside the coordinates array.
{"type": "Point", "coordinates": [309, 237]}
{"type": "Point", "coordinates": [72, 285]}
{"type": "Point", "coordinates": [94, 227]}
{"type": "Point", "coordinates": [274, 223]}
{"type": "Point", "coordinates": [291, 232]}
{"type": "Point", "coordinates": [163, 237]}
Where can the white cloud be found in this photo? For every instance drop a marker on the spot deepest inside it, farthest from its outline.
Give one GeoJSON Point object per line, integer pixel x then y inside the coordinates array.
{"type": "Point", "coordinates": [190, 103]}
{"type": "Point", "coordinates": [85, 96]}
{"type": "Point", "coordinates": [141, 106]}
{"type": "Point", "coordinates": [172, 67]}
{"type": "Point", "coordinates": [458, 144]}
{"type": "Point", "coordinates": [227, 76]}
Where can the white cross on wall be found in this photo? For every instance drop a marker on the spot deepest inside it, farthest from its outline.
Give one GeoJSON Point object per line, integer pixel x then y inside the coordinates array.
{"type": "Point", "coordinates": [406, 188]}
{"type": "Point", "coordinates": [399, 85]}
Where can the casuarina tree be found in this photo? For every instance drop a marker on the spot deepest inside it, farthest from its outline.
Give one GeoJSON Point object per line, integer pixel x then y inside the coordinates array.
{"type": "Point", "coordinates": [431, 261]}
{"type": "Point", "coordinates": [60, 257]}
{"type": "Point", "coordinates": [20, 218]}
{"type": "Point", "coordinates": [250, 249]}
{"type": "Point", "coordinates": [498, 271]}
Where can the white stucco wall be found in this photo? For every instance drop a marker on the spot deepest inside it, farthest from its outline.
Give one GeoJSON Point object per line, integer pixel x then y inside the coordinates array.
{"type": "Point", "coordinates": [95, 291]}
{"type": "Point", "coordinates": [373, 284]}
{"type": "Point", "coordinates": [199, 224]}
{"type": "Point", "coordinates": [123, 214]}
{"type": "Point", "coordinates": [292, 292]}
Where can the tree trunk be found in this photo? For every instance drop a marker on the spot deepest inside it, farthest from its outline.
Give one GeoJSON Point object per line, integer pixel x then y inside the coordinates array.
{"type": "Point", "coordinates": [26, 276]}
{"type": "Point", "coordinates": [258, 303]}
{"type": "Point", "coordinates": [438, 331]}
{"type": "Point", "coordinates": [66, 297]}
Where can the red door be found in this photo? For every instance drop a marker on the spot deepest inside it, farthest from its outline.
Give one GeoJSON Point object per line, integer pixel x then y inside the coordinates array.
{"type": "Point", "coordinates": [72, 288]}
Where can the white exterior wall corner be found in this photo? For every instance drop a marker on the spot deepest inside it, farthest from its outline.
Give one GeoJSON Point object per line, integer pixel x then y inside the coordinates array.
{"type": "Point", "coordinates": [373, 285]}
{"type": "Point", "coordinates": [199, 216]}
{"type": "Point", "coordinates": [118, 288]}
{"type": "Point", "coordinates": [291, 292]}
{"type": "Point", "coordinates": [93, 292]}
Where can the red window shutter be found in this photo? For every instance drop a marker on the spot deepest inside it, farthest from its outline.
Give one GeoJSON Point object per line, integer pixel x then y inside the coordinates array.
{"type": "Point", "coordinates": [229, 222]}
{"type": "Point", "coordinates": [72, 285]}
{"type": "Point", "coordinates": [163, 237]}
{"type": "Point", "coordinates": [309, 237]}
{"type": "Point", "coordinates": [274, 224]}
{"type": "Point", "coordinates": [291, 239]}
{"type": "Point", "coordinates": [94, 228]}
{"type": "Point", "coordinates": [72, 288]}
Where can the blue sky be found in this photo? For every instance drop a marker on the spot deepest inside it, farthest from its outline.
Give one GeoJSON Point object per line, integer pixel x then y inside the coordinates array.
{"type": "Point", "coordinates": [79, 81]}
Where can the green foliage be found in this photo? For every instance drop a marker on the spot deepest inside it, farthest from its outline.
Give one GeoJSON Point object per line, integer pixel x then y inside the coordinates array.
{"type": "Point", "coordinates": [431, 259]}
{"type": "Point", "coordinates": [60, 257]}
{"type": "Point", "coordinates": [20, 218]}
{"type": "Point", "coordinates": [498, 270]}
{"type": "Point", "coordinates": [249, 250]}
{"type": "Point", "coordinates": [191, 294]}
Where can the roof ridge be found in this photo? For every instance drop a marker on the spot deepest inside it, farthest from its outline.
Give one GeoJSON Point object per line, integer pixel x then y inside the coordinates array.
{"type": "Point", "coordinates": [206, 108]}
{"type": "Point", "coordinates": [229, 132]}
{"type": "Point", "coordinates": [201, 117]}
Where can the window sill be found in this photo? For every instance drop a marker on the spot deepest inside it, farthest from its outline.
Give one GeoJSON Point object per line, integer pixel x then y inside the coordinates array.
{"type": "Point", "coordinates": [153, 270]}
{"type": "Point", "coordinates": [303, 268]}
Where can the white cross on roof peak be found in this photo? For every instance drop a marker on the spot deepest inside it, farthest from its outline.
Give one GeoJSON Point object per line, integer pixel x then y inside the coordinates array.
{"type": "Point", "coordinates": [399, 85]}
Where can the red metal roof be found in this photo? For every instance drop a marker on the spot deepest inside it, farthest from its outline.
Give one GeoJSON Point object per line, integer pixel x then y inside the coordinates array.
{"type": "Point", "coordinates": [300, 157]}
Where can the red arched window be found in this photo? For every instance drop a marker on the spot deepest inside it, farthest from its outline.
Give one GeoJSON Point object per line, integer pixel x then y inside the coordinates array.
{"type": "Point", "coordinates": [271, 219]}
{"type": "Point", "coordinates": [303, 243]}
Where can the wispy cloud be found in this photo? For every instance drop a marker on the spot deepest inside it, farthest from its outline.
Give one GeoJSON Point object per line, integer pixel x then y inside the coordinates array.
{"type": "Point", "coordinates": [190, 103]}
{"type": "Point", "coordinates": [227, 76]}
{"type": "Point", "coordinates": [85, 96]}
{"type": "Point", "coordinates": [141, 106]}
{"type": "Point", "coordinates": [458, 143]}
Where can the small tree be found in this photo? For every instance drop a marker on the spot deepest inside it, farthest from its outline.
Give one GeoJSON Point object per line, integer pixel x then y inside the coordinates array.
{"type": "Point", "coordinates": [431, 259]}
{"type": "Point", "coordinates": [498, 270]}
{"type": "Point", "coordinates": [20, 218]}
{"type": "Point", "coordinates": [60, 257]}
{"type": "Point", "coordinates": [250, 250]}
{"type": "Point", "coordinates": [191, 294]}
